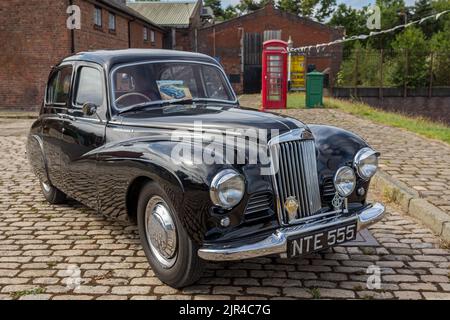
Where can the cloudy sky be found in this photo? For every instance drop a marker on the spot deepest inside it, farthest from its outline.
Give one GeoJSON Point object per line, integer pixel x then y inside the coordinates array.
{"type": "Point", "coordinates": [353, 3]}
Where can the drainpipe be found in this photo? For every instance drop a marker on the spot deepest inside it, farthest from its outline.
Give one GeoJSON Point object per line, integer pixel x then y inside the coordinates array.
{"type": "Point", "coordinates": [241, 42]}
{"type": "Point", "coordinates": [214, 41]}
{"type": "Point", "coordinates": [72, 35]}
{"type": "Point", "coordinates": [129, 31]}
{"type": "Point", "coordinates": [196, 39]}
{"type": "Point", "coordinates": [174, 41]}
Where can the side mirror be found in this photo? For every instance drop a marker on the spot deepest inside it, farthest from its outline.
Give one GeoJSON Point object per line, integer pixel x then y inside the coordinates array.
{"type": "Point", "coordinates": [89, 109]}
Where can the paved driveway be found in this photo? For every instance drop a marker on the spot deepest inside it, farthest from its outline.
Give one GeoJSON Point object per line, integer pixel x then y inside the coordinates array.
{"type": "Point", "coordinates": [46, 251]}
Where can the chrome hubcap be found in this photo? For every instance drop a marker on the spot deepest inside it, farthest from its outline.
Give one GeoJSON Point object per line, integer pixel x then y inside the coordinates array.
{"type": "Point", "coordinates": [160, 231]}
{"type": "Point", "coordinates": [46, 186]}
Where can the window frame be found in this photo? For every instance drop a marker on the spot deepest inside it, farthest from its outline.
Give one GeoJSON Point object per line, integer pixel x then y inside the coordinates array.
{"type": "Point", "coordinates": [112, 18]}
{"type": "Point", "coordinates": [57, 71]}
{"type": "Point", "coordinates": [152, 36]}
{"type": "Point", "coordinates": [76, 82]}
{"type": "Point", "coordinates": [97, 16]}
{"type": "Point", "coordinates": [145, 34]}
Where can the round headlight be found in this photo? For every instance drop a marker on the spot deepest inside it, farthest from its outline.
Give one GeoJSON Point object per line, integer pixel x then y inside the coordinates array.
{"type": "Point", "coordinates": [345, 181]}
{"type": "Point", "coordinates": [366, 163]}
{"type": "Point", "coordinates": [227, 188]}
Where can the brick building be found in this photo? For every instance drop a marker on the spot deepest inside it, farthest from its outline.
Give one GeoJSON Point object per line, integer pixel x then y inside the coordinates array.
{"type": "Point", "coordinates": [182, 19]}
{"type": "Point", "coordinates": [237, 43]}
{"type": "Point", "coordinates": [34, 37]}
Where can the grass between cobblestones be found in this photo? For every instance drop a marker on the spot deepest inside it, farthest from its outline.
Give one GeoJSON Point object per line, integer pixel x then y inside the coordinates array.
{"type": "Point", "coordinates": [417, 125]}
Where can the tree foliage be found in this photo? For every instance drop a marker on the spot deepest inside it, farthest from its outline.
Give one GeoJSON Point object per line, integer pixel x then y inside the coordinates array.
{"type": "Point", "coordinates": [353, 20]}
{"type": "Point", "coordinates": [216, 6]}
{"type": "Point", "coordinates": [361, 68]}
{"type": "Point", "coordinates": [440, 44]}
{"type": "Point", "coordinates": [246, 6]}
{"type": "Point", "coordinates": [319, 10]}
{"type": "Point", "coordinates": [411, 58]}
{"type": "Point", "coordinates": [230, 12]}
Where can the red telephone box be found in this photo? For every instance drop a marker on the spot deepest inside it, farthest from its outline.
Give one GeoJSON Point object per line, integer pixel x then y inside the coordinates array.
{"type": "Point", "coordinates": [274, 74]}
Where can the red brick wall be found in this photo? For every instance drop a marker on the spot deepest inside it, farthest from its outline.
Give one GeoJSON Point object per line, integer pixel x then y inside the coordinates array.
{"type": "Point", "coordinates": [183, 40]}
{"type": "Point", "coordinates": [137, 37]}
{"type": "Point", "coordinates": [34, 37]}
{"type": "Point", "coordinates": [91, 38]}
{"type": "Point", "coordinates": [228, 36]}
{"type": "Point", "coordinates": [30, 44]}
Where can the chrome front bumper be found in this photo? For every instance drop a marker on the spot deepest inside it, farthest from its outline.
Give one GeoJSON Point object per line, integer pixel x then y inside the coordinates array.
{"type": "Point", "coordinates": [276, 243]}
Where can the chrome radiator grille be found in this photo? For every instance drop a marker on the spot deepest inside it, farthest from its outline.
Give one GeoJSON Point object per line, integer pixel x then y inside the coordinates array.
{"type": "Point", "coordinates": [297, 177]}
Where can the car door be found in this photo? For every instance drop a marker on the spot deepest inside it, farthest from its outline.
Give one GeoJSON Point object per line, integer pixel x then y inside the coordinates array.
{"type": "Point", "coordinates": [55, 109]}
{"type": "Point", "coordinates": [83, 134]}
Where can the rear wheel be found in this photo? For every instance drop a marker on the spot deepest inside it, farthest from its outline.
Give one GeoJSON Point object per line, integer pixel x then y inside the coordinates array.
{"type": "Point", "coordinates": [52, 194]}
{"type": "Point", "coordinates": [169, 250]}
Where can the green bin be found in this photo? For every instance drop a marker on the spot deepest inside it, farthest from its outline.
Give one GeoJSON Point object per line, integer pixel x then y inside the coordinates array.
{"type": "Point", "coordinates": [314, 89]}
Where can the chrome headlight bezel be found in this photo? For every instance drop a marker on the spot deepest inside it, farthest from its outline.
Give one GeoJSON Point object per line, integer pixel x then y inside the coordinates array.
{"type": "Point", "coordinates": [222, 177]}
{"type": "Point", "coordinates": [358, 162]}
{"type": "Point", "coordinates": [339, 189]}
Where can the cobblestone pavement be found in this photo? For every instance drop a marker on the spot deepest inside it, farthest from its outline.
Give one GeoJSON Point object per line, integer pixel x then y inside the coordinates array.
{"type": "Point", "coordinates": [41, 247]}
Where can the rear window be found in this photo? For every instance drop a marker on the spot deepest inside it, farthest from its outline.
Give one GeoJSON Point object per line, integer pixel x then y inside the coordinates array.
{"type": "Point", "coordinates": [59, 86]}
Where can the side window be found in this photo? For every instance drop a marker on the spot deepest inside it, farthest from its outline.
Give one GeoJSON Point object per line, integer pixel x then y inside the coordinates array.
{"type": "Point", "coordinates": [59, 86]}
{"type": "Point", "coordinates": [51, 88]}
{"type": "Point", "coordinates": [215, 86]}
{"type": "Point", "coordinates": [90, 86]}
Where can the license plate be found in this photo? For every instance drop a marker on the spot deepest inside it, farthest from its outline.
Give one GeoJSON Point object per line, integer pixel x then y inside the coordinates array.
{"type": "Point", "coordinates": [321, 239]}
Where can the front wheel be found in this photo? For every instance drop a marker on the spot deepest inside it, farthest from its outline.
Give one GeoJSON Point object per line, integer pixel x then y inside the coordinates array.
{"type": "Point", "coordinates": [169, 250]}
{"type": "Point", "coordinates": [52, 194]}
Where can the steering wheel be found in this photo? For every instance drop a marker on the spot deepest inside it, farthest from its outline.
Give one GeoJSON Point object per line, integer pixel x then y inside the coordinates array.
{"type": "Point", "coordinates": [129, 94]}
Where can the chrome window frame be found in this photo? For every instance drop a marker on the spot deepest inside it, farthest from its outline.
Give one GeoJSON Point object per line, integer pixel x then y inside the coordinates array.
{"type": "Point", "coordinates": [225, 78]}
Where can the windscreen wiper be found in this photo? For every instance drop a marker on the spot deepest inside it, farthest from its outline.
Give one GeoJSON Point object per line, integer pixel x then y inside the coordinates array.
{"type": "Point", "coordinates": [137, 107]}
{"type": "Point", "coordinates": [180, 101]}
{"type": "Point", "coordinates": [164, 103]}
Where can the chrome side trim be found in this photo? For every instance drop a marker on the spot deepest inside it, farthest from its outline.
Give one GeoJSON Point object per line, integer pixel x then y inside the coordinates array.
{"type": "Point", "coordinates": [276, 243]}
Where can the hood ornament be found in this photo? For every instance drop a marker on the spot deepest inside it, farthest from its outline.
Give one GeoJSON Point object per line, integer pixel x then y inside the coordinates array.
{"type": "Point", "coordinates": [291, 205]}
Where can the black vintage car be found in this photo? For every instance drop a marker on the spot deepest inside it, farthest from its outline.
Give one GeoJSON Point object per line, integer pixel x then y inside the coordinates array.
{"type": "Point", "coordinates": [112, 136]}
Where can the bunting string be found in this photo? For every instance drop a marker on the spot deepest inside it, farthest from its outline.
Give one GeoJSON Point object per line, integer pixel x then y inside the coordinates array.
{"type": "Point", "coordinates": [322, 46]}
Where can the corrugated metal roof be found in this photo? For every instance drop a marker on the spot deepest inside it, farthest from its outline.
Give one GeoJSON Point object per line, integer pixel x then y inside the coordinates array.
{"type": "Point", "coordinates": [122, 7]}
{"type": "Point", "coordinates": [167, 14]}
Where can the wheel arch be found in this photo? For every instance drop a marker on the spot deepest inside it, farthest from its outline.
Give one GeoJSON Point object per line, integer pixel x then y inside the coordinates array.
{"type": "Point", "coordinates": [132, 195]}
{"type": "Point", "coordinates": [36, 157]}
